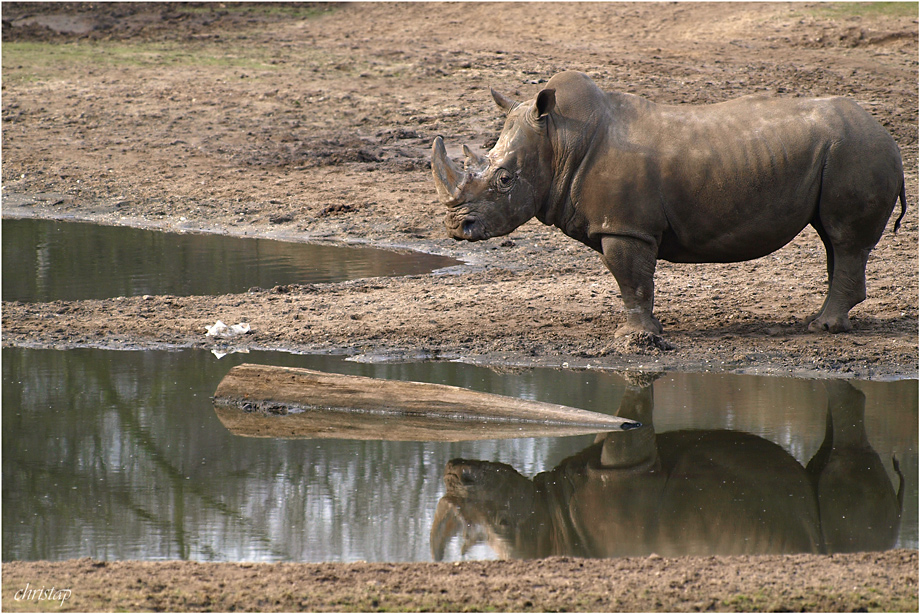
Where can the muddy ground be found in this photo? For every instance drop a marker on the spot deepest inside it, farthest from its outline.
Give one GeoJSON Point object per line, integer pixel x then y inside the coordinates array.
{"type": "Point", "coordinates": [314, 123]}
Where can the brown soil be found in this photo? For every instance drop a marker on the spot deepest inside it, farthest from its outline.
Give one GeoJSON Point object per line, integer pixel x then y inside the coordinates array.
{"type": "Point", "coordinates": [840, 583]}
{"type": "Point", "coordinates": [315, 122]}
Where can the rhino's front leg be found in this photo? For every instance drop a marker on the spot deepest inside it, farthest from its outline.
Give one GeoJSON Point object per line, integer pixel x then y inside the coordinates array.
{"type": "Point", "coordinates": [632, 262]}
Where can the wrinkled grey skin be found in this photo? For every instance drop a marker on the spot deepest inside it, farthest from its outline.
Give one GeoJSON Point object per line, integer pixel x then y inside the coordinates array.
{"type": "Point", "coordinates": [679, 493]}
{"type": "Point", "coordinates": [726, 182]}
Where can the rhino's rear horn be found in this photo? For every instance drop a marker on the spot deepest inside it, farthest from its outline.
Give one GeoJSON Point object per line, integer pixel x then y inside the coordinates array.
{"type": "Point", "coordinates": [474, 161]}
{"type": "Point", "coordinates": [448, 177]}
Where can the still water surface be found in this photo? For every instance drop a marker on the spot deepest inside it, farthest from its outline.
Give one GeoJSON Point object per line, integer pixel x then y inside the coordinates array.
{"type": "Point", "coordinates": [119, 455]}
{"type": "Point", "coordinates": [47, 260]}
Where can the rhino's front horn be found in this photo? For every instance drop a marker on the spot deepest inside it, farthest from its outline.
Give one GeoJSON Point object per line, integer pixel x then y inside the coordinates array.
{"type": "Point", "coordinates": [448, 178]}
{"type": "Point", "coordinates": [447, 523]}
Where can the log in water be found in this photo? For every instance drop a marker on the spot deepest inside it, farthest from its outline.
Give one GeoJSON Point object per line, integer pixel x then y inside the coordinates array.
{"type": "Point", "coordinates": [284, 402]}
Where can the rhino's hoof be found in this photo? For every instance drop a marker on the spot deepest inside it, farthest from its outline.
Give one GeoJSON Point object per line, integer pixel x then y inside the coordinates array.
{"type": "Point", "coordinates": [644, 341]}
{"type": "Point", "coordinates": [830, 325]}
{"type": "Point", "coordinates": [650, 327]}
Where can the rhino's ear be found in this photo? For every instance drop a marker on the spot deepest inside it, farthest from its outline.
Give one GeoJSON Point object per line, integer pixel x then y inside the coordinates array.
{"type": "Point", "coordinates": [507, 104]}
{"type": "Point", "coordinates": [546, 102]}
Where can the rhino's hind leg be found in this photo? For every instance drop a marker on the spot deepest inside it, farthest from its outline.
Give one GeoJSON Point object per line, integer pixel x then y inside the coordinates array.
{"type": "Point", "coordinates": [847, 288]}
{"type": "Point", "coordinates": [632, 262]}
{"type": "Point", "coordinates": [860, 184]}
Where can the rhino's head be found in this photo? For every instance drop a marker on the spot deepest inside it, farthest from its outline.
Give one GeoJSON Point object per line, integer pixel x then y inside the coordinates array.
{"type": "Point", "coordinates": [485, 502]}
{"type": "Point", "coordinates": [492, 195]}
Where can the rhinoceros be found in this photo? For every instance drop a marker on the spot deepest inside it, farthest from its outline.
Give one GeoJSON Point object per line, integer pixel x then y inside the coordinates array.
{"type": "Point", "coordinates": [638, 181]}
{"type": "Point", "coordinates": [689, 492]}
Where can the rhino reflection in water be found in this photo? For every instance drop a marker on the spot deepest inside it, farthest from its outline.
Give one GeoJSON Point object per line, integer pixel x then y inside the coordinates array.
{"type": "Point", "coordinates": [693, 492]}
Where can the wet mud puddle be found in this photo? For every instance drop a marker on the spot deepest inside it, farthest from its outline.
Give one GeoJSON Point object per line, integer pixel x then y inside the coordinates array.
{"type": "Point", "coordinates": [120, 455]}
{"type": "Point", "coordinates": [46, 260]}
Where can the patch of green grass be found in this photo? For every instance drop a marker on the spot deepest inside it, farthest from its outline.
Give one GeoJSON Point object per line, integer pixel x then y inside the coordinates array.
{"type": "Point", "coordinates": [272, 9]}
{"type": "Point", "coordinates": [739, 601]}
{"type": "Point", "coordinates": [30, 61]}
{"type": "Point", "coordinates": [850, 9]}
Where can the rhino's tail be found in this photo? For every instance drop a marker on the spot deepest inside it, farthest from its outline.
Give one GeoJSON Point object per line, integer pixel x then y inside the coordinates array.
{"type": "Point", "coordinates": [903, 198]}
{"type": "Point", "coordinates": [897, 469]}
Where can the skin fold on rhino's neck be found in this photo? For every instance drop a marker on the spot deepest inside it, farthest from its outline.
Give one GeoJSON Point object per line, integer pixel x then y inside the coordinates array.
{"type": "Point", "coordinates": [559, 209]}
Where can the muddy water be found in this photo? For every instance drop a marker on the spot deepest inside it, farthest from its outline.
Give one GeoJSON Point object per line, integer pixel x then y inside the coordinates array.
{"type": "Point", "coordinates": [46, 260]}
{"type": "Point", "coordinates": [119, 455]}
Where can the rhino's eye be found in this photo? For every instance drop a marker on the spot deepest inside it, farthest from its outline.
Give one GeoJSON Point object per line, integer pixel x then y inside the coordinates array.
{"type": "Point", "coordinates": [504, 180]}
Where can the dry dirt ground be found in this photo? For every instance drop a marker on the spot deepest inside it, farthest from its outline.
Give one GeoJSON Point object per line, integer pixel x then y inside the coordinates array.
{"type": "Point", "coordinates": [314, 123]}
{"type": "Point", "coordinates": [840, 583]}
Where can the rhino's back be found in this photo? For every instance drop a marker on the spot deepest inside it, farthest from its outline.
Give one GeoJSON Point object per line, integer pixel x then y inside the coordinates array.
{"type": "Point", "coordinates": [709, 179]}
